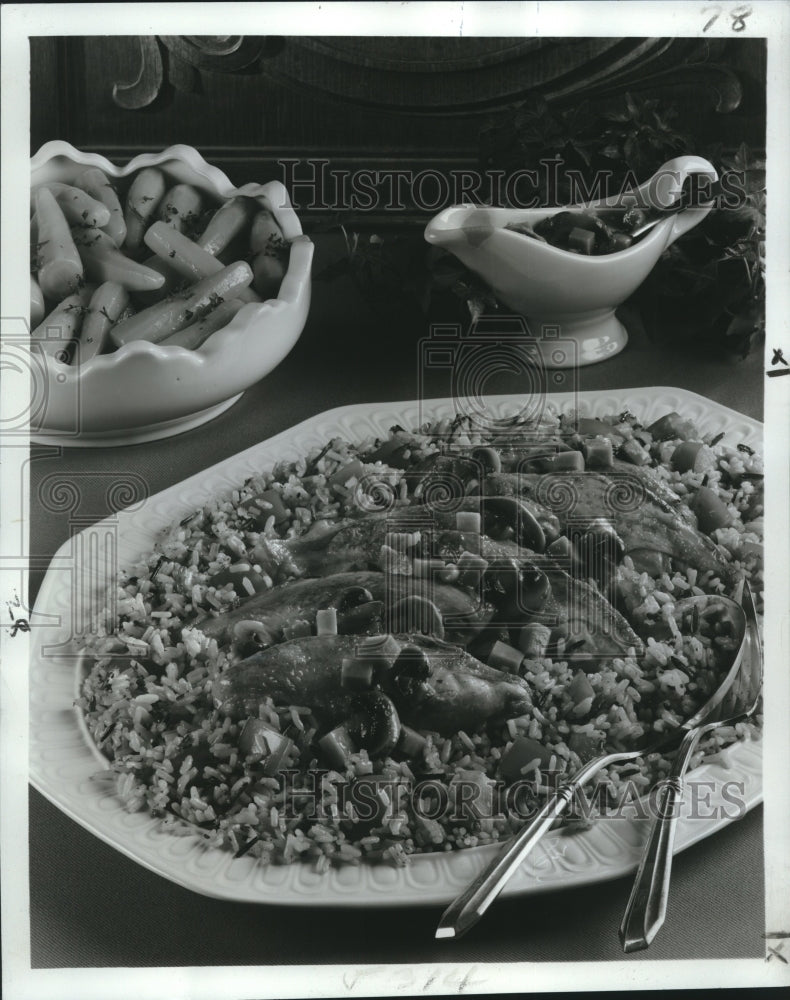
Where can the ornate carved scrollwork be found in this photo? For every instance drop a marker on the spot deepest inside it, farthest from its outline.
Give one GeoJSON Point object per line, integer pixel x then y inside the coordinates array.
{"type": "Point", "coordinates": [436, 76]}
{"type": "Point", "coordinates": [218, 53]}
{"type": "Point", "coordinates": [144, 89]}
{"type": "Point", "coordinates": [183, 57]}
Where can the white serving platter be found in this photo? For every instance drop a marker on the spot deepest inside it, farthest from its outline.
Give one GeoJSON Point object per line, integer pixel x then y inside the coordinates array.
{"type": "Point", "coordinates": [64, 763]}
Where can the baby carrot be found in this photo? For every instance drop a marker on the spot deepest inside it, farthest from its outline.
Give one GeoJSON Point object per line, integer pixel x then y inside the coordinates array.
{"type": "Point", "coordinates": [160, 320]}
{"type": "Point", "coordinates": [142, 201]}
{"type": "Point", "coordinates": [265, 234]}
{"type": "Point", "coordinates": [271, 254]}
{"type": "Point", "coordinates": [226, 223]}
{"type": "Point", "coordinates": [96, 183]}
{"type": "Point", "coordinates": [185, 256]}
{"type": "Point", "coordinates": [60, 269]}
{"type": "Point", "coordinates": [55, 335]}
{"type": "Point", "coordinates": [105, 262]}
{"type": "Point", "coordinates": [171, 281]}
{"type": "Point", "coordinates": [268, 274]}
{"type": "Point", "coordinates": [105, 308]}
{"type": "Point", "coordinates": [180, 207]}
{"type": "Point", "coordinates": [128, 312]}
{"type": "Point", "coordinates": [78, 206]}
{"type": "Point", "coordinates": [196, 334]}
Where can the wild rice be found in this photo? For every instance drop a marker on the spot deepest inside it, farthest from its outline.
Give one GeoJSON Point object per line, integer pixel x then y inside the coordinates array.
{"type": "Point", "coordinates": [148, 699]}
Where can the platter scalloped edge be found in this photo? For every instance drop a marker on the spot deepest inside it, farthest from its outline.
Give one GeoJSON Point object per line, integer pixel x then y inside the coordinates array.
{"type": "Point", "coordinates": [65, 766]}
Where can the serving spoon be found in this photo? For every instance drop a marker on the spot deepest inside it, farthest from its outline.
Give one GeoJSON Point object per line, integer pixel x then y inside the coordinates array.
{"type": "Point", "coordinates": [685, 200]}
{"type": "Point", "coordinates": [647, 904]}
{"type": "Point", "coordinates": [467, 909]}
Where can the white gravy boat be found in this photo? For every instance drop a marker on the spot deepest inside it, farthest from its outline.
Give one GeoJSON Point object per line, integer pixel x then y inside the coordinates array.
{"type": "Point", "coordinates": [563, 294]}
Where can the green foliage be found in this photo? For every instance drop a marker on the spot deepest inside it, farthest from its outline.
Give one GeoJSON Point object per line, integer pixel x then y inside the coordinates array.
{"type": "Point", "coordinates": [632, 141]}
{"type": "Point", "coordinates": [641, 137]}
{"type": "Point", "coordinates": [531, 133]}
{"type": "Point", "coordinates": [384, 268]}
{"type": "Point", "coordinates": [715, 276]}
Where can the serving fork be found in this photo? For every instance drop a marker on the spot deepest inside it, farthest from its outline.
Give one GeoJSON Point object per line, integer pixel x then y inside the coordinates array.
{"type": "Point", "coordinates": [647, 904]}
{"type": "Point", "coordinates": [465, 911]}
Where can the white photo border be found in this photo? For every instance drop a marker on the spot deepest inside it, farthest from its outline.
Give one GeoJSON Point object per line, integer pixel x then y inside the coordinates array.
{"type": "Point", "coordinates": [770, 20]}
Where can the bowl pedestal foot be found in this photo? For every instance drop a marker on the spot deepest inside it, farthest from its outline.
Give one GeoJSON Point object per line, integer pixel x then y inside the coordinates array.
{"type": "Point", "coordinates": [578, 339]}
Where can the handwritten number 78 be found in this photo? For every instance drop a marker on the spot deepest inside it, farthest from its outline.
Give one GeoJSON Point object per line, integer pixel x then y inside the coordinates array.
{"type": "Point", "coordinates": [738, 16]}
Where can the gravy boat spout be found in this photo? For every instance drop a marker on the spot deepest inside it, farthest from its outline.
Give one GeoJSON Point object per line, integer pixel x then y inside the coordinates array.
{"type": "Point", "coordinates": [562, 294]}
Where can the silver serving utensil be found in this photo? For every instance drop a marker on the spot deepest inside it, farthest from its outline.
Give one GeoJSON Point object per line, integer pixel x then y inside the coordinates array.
{"type": "Point", "coordinates": [662, 212]}
{"type": "Point", "coordinates": [647, 905]}
{"type": "Point", "coordinates": [465, 911]}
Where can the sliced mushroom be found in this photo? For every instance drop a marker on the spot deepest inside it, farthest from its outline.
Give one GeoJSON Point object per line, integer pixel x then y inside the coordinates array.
{"type": "Point", "coordinates": [352, 597]}
{"type": "Point", "coordinates": [506, 518]}
{"type": "Point", "coordinates": [410, 669]}
{"type": "Point", "coordinates": [417, 614]}
{"type": "Point", "coordinates": [374, 725]}
{"type": "Point", "coordinates": [501, 579]}
{"type": "Point", "coordinates": [516, 588]}
{"type": "Point", "coordinates": [534, 589]}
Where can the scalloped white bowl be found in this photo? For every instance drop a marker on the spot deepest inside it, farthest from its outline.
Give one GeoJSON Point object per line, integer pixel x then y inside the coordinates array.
{"type": "Point", "coordinates": [146, 391]}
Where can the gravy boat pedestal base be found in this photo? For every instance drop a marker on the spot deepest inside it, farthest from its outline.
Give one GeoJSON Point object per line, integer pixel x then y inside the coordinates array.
{"type": "Point", "coordinates": [578, 338]}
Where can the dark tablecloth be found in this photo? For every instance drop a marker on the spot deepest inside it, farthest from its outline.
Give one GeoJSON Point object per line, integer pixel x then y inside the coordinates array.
{"type": "Point", "coordinates": [90, 906]}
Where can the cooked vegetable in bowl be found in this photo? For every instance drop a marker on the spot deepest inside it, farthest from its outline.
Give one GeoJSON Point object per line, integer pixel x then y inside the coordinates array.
{"type": "Point", "coordinates": [329, 664]}
{"type": "Point", "coordinates": [594, 231]}
{"type": "Point", "coordinates": [130, 263]}
{"type": "Point", "coordinates": [192, 269]}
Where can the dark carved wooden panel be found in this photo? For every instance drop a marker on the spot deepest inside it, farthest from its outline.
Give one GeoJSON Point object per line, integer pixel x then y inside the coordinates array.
{"type": "Point", "coordinates": [448, 76]}
{"type": "Point", "coordinates": [418, 55]}
{"type": "Point", "coordinates": [248, 101]}
{"type": "Point", "coordinates": [438, 76]}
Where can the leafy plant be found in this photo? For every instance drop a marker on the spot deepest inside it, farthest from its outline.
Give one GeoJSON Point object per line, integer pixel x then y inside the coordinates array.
{"type": "Point", "coordinates": [402, 266]}
{"type": "Point", "coordinates": [384, 267]}
{"type": "Point", "coordinates": [641, 137]}
{"type": "Point", "coordinates": [448, 274]}
{"type": "Point", "coordinates": [532, 132]}
{"type": "Point", "coordinates": [713, 280]}
{"type": "Point", "coordinates": [631, 142]}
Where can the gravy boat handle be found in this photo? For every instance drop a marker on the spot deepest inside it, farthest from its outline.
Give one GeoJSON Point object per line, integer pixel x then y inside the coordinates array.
{"type": "Point", "coordinates": [666, 186]}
